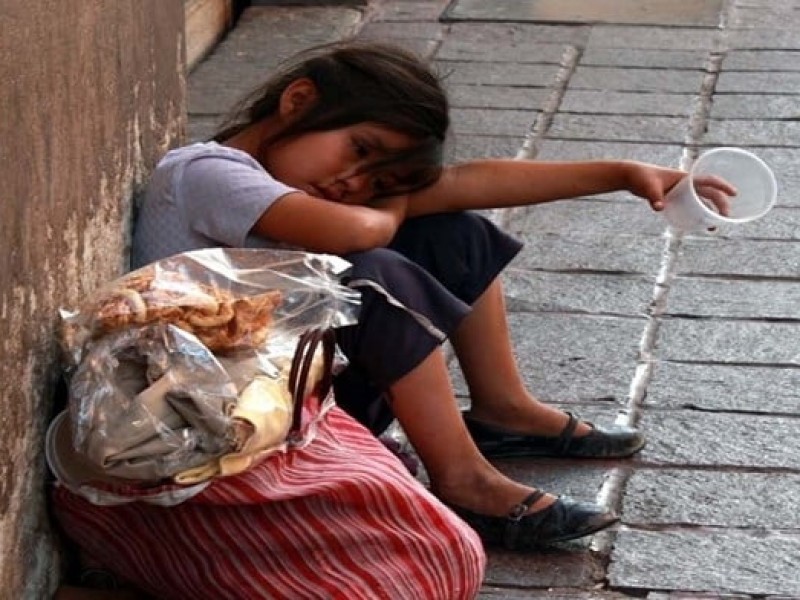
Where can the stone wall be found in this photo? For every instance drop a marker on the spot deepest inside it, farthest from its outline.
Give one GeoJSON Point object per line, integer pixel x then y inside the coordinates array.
{"type": "Point", "coordinates": [92, 94]}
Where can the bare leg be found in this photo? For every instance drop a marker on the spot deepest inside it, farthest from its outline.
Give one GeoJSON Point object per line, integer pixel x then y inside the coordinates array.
{"type": "Point", "coordinates": [498, 393]}
{"type": "Point", "coordinates": [425, 406]}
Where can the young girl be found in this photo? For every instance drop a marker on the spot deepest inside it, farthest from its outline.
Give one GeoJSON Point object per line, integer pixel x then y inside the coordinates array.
{"type": "Point", "coordinates": [340, 152]}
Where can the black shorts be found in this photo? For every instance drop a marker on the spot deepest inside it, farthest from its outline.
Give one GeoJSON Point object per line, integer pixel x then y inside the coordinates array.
{"type": "Point", "coordinates": [413, 295]}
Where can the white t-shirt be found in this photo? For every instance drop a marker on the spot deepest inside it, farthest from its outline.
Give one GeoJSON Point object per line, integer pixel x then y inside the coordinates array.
{"type": "Point", "coordinates": [201, 196]}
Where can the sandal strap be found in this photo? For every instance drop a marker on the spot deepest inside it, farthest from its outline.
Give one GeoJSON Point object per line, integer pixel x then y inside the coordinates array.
{"type": "Point", "coordinates": [565, 437]}
{"type": "Point", "coordinates": [515, 515]}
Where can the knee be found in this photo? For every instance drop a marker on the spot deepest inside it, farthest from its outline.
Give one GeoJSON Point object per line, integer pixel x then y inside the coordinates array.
{"type": "Point", "coordinates": [389, 270]}
{"type": "Point", "coordinates": [376, 262]}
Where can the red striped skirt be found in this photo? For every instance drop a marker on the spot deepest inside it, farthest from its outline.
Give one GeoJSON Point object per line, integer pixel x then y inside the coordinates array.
{"type": "Point", "coordinates": [338, 518]}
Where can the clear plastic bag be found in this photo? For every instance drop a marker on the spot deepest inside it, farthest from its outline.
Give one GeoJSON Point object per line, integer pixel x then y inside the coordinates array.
{"type": "Point", "coordinates": [180, 370]}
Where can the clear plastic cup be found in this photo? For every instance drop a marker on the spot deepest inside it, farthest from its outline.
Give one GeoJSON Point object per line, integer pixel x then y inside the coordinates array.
{"type": "Point", "coordinates": [756, 189]}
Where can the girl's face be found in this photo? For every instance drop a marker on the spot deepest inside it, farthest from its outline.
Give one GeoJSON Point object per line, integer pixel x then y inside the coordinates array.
{"type": "Point", "coordinates": [332, 164]}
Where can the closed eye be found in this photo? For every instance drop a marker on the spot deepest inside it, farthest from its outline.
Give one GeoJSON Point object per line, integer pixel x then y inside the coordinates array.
{"type": "Point", "coordinates": [361, 148]}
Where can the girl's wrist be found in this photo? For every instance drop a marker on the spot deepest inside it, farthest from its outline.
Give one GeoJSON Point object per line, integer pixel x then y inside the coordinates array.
{"type": "Point", "coordinates": [626, 174]}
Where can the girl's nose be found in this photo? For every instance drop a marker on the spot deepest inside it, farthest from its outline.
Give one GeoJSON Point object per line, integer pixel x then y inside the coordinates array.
{"type": "Point", "coordinates": [357, 184]}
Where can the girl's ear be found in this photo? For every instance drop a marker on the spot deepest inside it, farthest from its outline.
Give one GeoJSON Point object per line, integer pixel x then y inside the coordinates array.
{"type": "Point", "coordinates": [297, 98]}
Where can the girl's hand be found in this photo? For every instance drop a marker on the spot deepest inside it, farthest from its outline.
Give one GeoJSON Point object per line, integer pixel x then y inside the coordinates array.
{"type": "Point", "coordinates": [395, 205]}
{"type": "Point", "coordinates": [653, 183]}
{"type": "Point", "coordinates": [716, 191]}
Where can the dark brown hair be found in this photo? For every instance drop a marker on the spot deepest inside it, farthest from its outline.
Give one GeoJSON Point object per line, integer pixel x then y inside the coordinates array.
{"type": "Point", "coordinates": [359, 81]}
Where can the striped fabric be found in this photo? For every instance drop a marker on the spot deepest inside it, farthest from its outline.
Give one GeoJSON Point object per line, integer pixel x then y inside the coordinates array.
{"type": "Point", "coordinates": [339, 518]}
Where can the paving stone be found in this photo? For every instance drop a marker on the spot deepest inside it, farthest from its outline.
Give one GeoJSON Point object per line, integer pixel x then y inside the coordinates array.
{"type": "Point", "coordinates": [621, 253]}
{"type": "Point", "coordinates": [576, 358]}
{"type": "Point", "coordinates": [761, 39]}
{"type": "Point", "coordinates": [756, 60]}
{"type": "Point", "coordinates": [638, 57]}
{"type": "Point", "coordinates": [214, 85]}
{"type": "Point", "coordinates": [498, 73]}
{"type": "Point", "coordinates": [536, 291]}
{"type": "Point", "coordinates": [575, 383]}
{"type": "Point", "coordinates": [496, 593]}
{"type": "Point", "coordinates": [588, 217]}
{"type": "Point", "coordinates": [627, 103]}
{"type": "Point", "coordinates": [401, 30]}
{"type": "Point", "coordinates": [695, 596]}
{"type": "Point", "coordinates": [515, 34]}
{"type": "Point", "coordinates": [669, 12]}
{"type": "Point", "coordinates": [785, 163]}
{"type": "Point", "coordinates": [501, 50]}
{"type": "Point", "coordinates": [719, 440]}
{"type": "Point", "coordinates": [486, 121]}
{"type": "Point", "coordinates": [725, 257]}
{"type": "Point", "coordinates": [636, 80]}
{"type": "Point", "coordinates": [780, 82]}
{"type": "Point", "coordinates": [719, 388]}
{"type": "Point", "coordinates": [733, 298]}
{"type": "Point", "coordinates": [493, 96]}
{"type": "Point", "coordinates": [754, 106]}
{"type": "Point", "coordinates": [726, 561]}
{"type": "Point", "coordinates": [779, 224]}
{"type": "Point", "coordinates": [630, 128]}
{"type": "Point", "coordinates": [573, 358]}
{"type": "Point", "coordinates": [780, 15]}
{"type": "Point", "coordinates": [408, 10]}
{"type": "Point", "coordinates": [656, 498]}
{"type": "Point", "coordinates": [463, 147]}
{"type": "Point", "coordinates": [662, 154]}
{"type": "Point", "coordinates": [650, 38]}
{"type": "Point", "coordinates": [572, 566]}
{"type": "Point", "coordinates": [718, 341]}
{"type": "Point", "coordinates": [571, 338]}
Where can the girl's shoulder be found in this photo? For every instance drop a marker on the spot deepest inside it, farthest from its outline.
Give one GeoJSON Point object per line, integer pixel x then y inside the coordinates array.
{"type": "Point", "coordinates": [204, 150]}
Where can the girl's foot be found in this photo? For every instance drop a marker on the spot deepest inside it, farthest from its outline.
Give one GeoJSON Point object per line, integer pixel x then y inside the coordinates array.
{"type": "Point", "coordinates": [577, 439]}
{"type": "Point", "coordinates": [524, 530]}
{"type": "Point", "coordinates": [509, 514]}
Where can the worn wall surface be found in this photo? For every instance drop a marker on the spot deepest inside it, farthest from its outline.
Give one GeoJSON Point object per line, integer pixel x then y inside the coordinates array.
{"type": "Point", "coordinates": [92, 93]}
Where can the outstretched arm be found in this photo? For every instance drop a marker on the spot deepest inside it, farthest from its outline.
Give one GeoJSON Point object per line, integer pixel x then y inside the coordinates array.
{"type": "Point", "coordinates": [504, 183]}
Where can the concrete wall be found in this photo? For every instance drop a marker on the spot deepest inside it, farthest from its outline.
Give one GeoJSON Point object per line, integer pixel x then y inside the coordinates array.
{"type": "Point", "coordinates": [92, 93]}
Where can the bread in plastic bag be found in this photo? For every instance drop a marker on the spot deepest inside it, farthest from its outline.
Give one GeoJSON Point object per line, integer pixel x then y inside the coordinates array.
{"type": "Point", "coordinates": [178, 371]}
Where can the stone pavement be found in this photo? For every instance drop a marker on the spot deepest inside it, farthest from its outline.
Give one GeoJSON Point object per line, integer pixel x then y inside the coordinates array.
{"type": "Point", "coordinates": [694, 338]}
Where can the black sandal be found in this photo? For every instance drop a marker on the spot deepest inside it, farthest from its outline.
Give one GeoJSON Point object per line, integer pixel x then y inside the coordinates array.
{"type": "Point", "coordinates": [563, 520]}
{"type": "Point", "coordinates": [609, 441]}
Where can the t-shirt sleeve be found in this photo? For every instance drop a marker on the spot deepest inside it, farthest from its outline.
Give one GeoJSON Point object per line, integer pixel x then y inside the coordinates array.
{"type": "Point", "coordinates": [223, 197]}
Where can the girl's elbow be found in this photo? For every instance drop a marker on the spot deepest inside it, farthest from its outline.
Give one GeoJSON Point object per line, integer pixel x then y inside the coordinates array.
{"type": "Point", "coordinates": [375, 236]}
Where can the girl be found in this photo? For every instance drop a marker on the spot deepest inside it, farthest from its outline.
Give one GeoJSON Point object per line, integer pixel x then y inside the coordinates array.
{"type": "Point", "coordinates": [340, 152]}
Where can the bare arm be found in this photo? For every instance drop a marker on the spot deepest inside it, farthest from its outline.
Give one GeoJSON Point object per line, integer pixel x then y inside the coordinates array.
{"type": "Point", "coordinates": [320, 225]}
{"type": "Point", "coordinates": [505, 183]}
